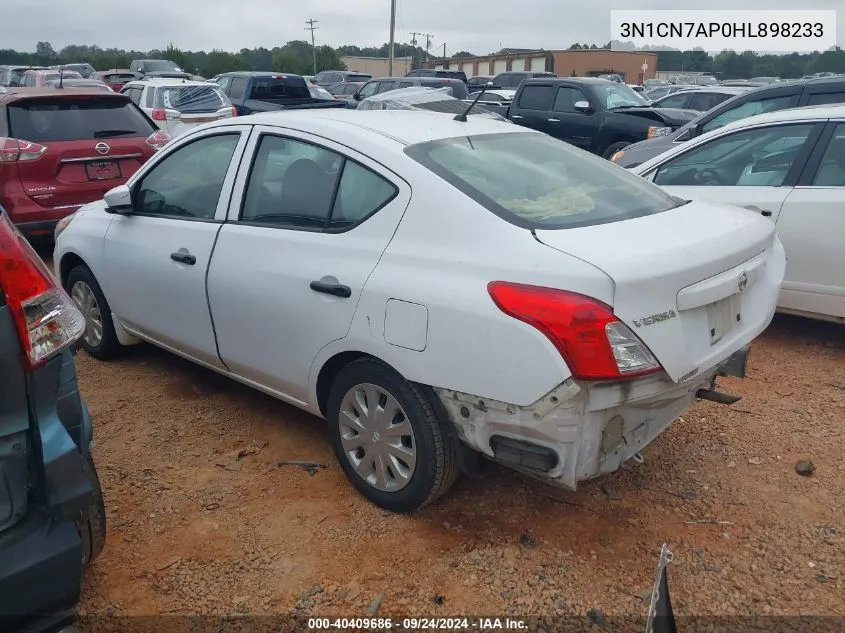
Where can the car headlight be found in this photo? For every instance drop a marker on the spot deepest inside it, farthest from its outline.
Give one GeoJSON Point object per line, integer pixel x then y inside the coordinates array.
{"type": "Point", "coordinates": [615, 158]}
{"type": "Point", "coordinates": [63, 224]}
{"type": "Point", "coordinates": [654, 132]}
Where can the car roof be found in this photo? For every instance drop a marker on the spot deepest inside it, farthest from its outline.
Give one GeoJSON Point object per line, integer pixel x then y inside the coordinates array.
{"type": "Point", "coordinates": [405, 127]}
{"type": "Point", "coordinates": [125, 71]}
{"type": "Point", "coordinates": [806, 113]}
{"type": "Point", "coordinates": [728, 90]}
{"type": "Point", "coordinates": [443, 79]}
{"type": "Point", "coordinates": [166, 81]}
{"type": "Point", "coordinates": [257, 73]}
{"type": "Point", "coordinates": [18, 94]}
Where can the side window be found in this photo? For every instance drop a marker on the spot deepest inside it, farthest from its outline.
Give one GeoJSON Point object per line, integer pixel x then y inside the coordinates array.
{"type": "Point", "coordinates": [750, 108]}
{"type": "Point", "coordinates": [132, 93]}
{"type": "Point", "coordinates": [291, 184]}
{"type": "Point", "coordinates": [369, 89]}
{"type": "Point", "coordinates": [149, 99]}
{"type": "Point", "coordinates": [760, 157]}
{"type": "Point", "coordinates": [385, 86]}
{"type": "Point", "coordinates": [566, 99]}
{"type": "Point", "coordinates": [360, 194]}
{"type": "Point", "coordinates": [413, 73]}
{"type": "Point", "coordinates": [823, 98]}
{"type": "Point", "coordinates": [319, 77]}
{"type": "Point", "coordinates": [187, 184]}
{"type": "Point", "coordinates": [236, 88]}
{"type": "Point", "coordinates": [536, 97]}
{"type": "Point", "coordinates": [675, 101]}
{"type": "Point", "coordinates": [831, 171]}
{"type": "Point", "coordinates": [405, 84]}
{"type": "Point", "coordinates": [703, 101]}
{"type": "Point", "coordinates": [224, 83]}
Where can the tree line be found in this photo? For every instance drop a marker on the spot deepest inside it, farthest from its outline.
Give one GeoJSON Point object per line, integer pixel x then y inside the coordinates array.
{"type": "Point", "coordinates": [297, 57]}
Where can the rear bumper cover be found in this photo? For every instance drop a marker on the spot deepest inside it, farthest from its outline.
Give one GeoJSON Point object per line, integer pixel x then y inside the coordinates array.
{"type": "Point", "coordinates": [588, 430]}
{"type": "Point", "coordinates": [41, 574]}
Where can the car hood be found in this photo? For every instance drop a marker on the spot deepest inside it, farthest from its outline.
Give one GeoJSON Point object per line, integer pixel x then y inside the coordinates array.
{"type": "Point", "coordinates": [672, 117]}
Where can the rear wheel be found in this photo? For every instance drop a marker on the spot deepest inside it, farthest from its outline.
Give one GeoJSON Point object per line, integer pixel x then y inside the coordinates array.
{"type": "Point", "coordinates": [99, 338]}
{"type": "Point", "coordinates": [92, 520]}
{"type": "Point", "coordinates": [390, 438]}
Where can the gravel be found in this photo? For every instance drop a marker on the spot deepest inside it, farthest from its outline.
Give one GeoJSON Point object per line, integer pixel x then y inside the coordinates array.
{"type": "Point", "coordinates": [204, 520]}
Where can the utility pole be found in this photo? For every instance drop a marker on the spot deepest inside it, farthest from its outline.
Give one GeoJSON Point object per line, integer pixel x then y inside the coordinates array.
{"type": "Point", "coordinates": [414, 50]}
{"type": "Point", "coordinates": [312, 28]}
{"type": "Point", "coordinates": [392, 37]}
{"type": "Point", "coordinates": [428, 37]}
{"type": "Point", "coordinates": [444, 50]}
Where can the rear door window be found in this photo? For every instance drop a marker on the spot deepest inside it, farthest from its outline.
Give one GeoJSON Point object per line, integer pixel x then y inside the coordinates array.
{"type": "Point", "coordinates": [823, 98]}
{"type": "Point", "coordinates": [675, 101]}
{"type": "Point", "coordinates": [703, 101]}
{"type": "Point", "coordinates": [385, 86]}
{"type": "Point", "coordinates": [536, 98]}
{"type": "Point", "coordinates": [64, 119]}
{"type": "Point", "coordinates": [750, 108]}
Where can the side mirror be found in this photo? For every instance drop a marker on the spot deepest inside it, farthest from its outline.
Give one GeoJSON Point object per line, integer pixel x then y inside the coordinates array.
{"type": "Point", "coordinates": [118, 200]}
{"type": "Point", "coordinates": [357, 96]}
{"type": "Point", "coordinates": [583, 106]}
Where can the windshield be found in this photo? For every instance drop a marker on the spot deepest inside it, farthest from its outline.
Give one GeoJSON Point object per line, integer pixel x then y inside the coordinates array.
{"type": "Point", "coordinates": [537, 182]}
{"type": "Point", "coordinates": [616, 95]}
{"type": "Point", "coordinates": [190, 98]}
{"type": "Point", "coordinates": [320, 93]}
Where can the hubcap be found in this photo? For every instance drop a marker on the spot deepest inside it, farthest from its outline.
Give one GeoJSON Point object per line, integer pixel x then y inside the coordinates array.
{"type": "Point", "coordinates": [377, 437]}
{"type": "Point", "coordinates": [85, 300]}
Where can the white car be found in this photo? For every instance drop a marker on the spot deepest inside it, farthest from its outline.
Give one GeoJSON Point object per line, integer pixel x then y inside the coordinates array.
{"type": "Point", "coordinates": [789, 166]}
{"type": "Point", "coordinates": [438, 290]}
{"type": "Point", "coordinates": [176, 105]}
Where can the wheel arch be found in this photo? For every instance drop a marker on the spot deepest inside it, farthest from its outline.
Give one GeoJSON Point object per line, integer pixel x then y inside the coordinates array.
{"type": "Point", "coordinates": [68, 262]}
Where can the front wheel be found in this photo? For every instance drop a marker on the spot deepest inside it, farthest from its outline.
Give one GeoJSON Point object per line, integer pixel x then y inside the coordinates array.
{"type": "Point", "coordinates": [610, 151]}
{"type": "Point", "coordinates": [99, 338]}
{"type": "Point", "coordinates": [389, 438]}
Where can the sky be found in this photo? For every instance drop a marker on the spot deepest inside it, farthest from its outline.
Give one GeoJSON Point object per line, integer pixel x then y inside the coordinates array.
{"type": "Point", "coordinates": [477, 26]}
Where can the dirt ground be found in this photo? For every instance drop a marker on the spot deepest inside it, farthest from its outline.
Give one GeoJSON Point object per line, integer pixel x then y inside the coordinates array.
{"type": "Point", "coordinates": [203, 520]}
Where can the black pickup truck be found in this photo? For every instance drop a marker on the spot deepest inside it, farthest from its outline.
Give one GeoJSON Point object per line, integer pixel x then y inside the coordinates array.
{"type": "Point", "coordinates": [597, 115]}
{"type": "Point", "coordinates": [252, 92]}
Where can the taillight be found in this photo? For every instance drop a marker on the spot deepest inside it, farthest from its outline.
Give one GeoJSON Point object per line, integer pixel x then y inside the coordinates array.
{"type": "Point", "coordinates": [157, 140]}
{"type": "Point", "coordinates": [593, 342]}
{"type": "Point", "coordinates": [46, 318]}
{"type": "Point", "coordinates": [15, 150]}
{"type": "Point", "coordinates": [158, 114]}
{"type": "Point", "coordinates": [165, 114]}
{"type": "Point", "coordinates": [234, 111]}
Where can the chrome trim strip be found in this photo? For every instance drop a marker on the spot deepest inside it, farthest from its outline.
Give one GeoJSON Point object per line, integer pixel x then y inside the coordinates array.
{"type": "Point", "coordinates": [100, 158]}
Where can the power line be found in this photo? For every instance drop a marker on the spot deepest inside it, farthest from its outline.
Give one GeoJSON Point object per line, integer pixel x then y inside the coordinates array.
{"type": "Point", "coordinates": [312, 28]}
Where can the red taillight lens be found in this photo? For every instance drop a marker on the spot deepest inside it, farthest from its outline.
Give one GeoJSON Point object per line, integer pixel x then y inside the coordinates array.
{"type": "Point", "coordinates": [593, 342]}
{"type": "Point", "coordinates": [159, 114]}
{"type": "Point", "coordinates": [234, 111]}
{"type": "Point", "coordinates": [15, 150]}
{"type": "Point", "coordinates": [47, 320]}
{"type": "Point", "coordinates": [157, 140]}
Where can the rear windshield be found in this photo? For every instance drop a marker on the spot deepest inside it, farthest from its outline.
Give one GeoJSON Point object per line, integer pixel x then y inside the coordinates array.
{"type": "Point", "coordinates": [454, 89]}
{"type": "Point", "coordinates": [118, 77]}
{"type": "Point", "coordinates": [67, 119]}
{"type": "Point", "coordinates": [358, 77]}
{"type": "Point", "coordinates": [537, 182]}
{"type": "Point", "coordinates": [159, 65]}
{"type": "Point", "coordinates": [273, 88]}
{"type": "Point", "coordinates": [189, 98]}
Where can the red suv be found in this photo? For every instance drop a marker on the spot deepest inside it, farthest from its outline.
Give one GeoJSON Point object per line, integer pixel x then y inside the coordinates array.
{"type": "Point", "coordinates": [62, 149]}
{"type": "Point", "coordinates": [115, 78]}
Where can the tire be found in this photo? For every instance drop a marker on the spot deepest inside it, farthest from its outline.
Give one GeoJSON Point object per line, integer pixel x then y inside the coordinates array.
{"type": "Point", "coordinates": [92, 520]}
{"type": "Point", "coordinates": [108, 346]}
{"type": "Point", "coordinates": [610, 151]}
{"type": "Point", "coordinates": [435, 467]}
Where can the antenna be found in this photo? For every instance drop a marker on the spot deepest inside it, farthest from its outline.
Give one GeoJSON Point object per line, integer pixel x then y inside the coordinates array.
{"type": "Point", "coordinates": [463, 116]}
{"type": "Point", "coordinates": [312, 28]}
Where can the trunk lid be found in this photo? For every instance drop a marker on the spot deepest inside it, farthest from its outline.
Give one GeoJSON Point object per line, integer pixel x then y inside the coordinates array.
{"type": "Point", "coordinates": [94, 143]}
{"type": "Point", "coordinates": [693, 283]}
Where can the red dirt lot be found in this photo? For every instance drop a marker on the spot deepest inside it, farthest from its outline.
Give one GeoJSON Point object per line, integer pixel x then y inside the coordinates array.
{"type": "Point", "coordinates": [203, 520]}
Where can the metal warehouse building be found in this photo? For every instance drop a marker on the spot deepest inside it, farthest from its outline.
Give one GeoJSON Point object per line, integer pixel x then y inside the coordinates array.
{"type": "Point", "coordinates": [634, 67]}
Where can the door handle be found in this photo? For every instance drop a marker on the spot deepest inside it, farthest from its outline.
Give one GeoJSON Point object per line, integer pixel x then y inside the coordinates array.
{"type": "Point", "coordinates": [553, 120]}
{"type": "Point", "coordinates": [516, 116]}
{"type": "Point", "coordinates": [336, 290]}
{"type": "Point", "coordinates": [764, 212]}
{"type": "Point", "coordinates": [185, 258]}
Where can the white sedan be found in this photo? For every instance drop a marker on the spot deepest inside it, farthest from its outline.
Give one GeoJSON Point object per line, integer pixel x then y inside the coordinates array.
{"type": "Point", "coordinates": [788, 166]}
{"type": "Point", "coordinates": [438, 290]}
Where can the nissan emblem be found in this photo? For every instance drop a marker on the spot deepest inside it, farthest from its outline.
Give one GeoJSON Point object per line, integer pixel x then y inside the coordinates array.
{"type": "Point", "coordinates": [102, 148]}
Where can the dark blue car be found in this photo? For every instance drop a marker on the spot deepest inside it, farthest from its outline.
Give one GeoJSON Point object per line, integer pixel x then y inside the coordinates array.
{"type": "Point", "coordinates": [52, 519]}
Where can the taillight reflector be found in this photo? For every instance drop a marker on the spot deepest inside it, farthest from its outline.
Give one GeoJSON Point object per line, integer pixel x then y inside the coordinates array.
{"type": "Point", "coordinates": [593, 342]}
{"type": "Point", "coordinates": [157, 140]}
{"type": "Point", "coordinates": [15, 150]}
{"type": "Point", "coordinates": [46, 318]}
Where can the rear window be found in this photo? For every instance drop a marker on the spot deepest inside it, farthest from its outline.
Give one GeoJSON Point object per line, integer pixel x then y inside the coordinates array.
{"type": "Point", "coordinates": [358, 77]}
{"type": "Point", "coordinates": [66, 119]}
{"type": "Point", "coordinates": [535, 181]}
{"type": "Point", "coordinates": [189, 98]}
{"type": "Point", "coordinates": [118, 77]}
{"type": "Point", "coordinates": [273, 88]}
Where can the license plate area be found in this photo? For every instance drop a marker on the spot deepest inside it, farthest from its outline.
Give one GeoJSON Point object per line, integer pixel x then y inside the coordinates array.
{"type": "Point", "coordinates": [723, 316]}
{"type": "Point", "coordinates": [102, 170]}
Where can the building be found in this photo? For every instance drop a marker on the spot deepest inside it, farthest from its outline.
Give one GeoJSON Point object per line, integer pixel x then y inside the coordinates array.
{"type": "Point", "coordinates": [634, 67]}
{"type": "Point", "coordinates": [378, 66]}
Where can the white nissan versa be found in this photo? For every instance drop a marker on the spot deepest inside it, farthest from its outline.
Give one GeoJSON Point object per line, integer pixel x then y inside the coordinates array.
{"type": "Point", "coordinates": [436, 288]}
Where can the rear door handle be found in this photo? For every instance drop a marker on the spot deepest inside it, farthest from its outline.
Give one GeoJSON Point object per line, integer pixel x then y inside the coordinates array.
{"type": "Point", "coordinates": [516, 116]}
{"type": "Point", "coordinates": [185, 258]}
{"type": "Point", "coordinates": [553, 120]}
{"type": "Point", "coordinates": [336, 290]}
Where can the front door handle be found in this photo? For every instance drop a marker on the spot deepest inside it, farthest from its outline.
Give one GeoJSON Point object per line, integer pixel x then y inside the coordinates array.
{"type": "Point", "coordinates": [516, 116]}
{"type": "Point", "coordinates": [336, 290]}
{"type": "Point", "coordinates": [184, 257]}
{"type": "Point", "coordinates": [764, 212]}
{"type": "Point", "coordinates": [553, 120]}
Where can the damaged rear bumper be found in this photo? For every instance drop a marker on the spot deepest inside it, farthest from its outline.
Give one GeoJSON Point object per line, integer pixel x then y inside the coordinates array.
{"type": "Point", "coordinates": [579, 431]}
